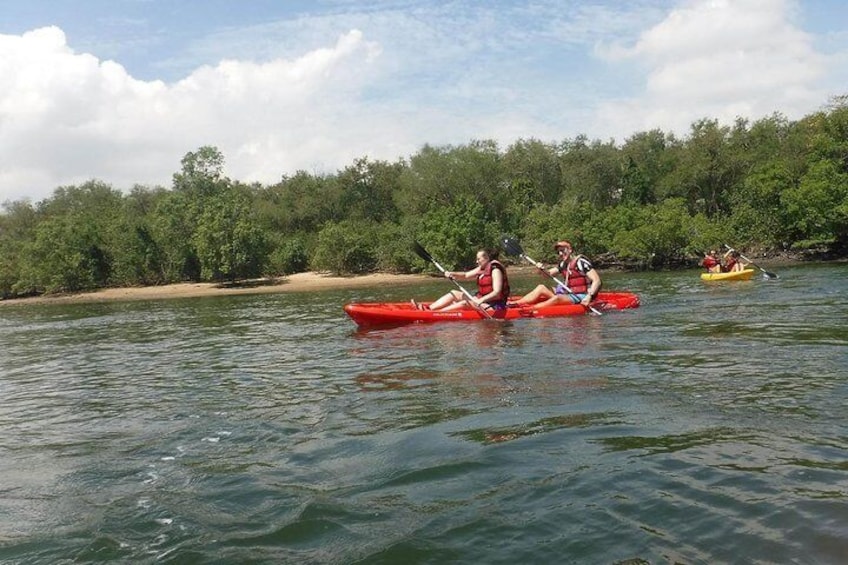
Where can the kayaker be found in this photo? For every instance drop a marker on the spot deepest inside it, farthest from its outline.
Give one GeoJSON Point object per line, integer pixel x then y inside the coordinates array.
{"type": "Point", "coordinates": [581, 278]}
{"type": "Point", "coordinates": [732, 262]}
{"type": "Point", "coordinates": [711, 262]}
{"type": "Point", "coordinates": [492, 284]}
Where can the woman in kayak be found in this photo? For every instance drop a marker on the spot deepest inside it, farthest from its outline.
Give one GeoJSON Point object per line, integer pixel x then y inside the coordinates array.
{"type": "Point", "coordinates": [582, 281]}
{"type": "Point", "coordinates": [733, 262]}
{"type": "Point", "coordinates": [492, 284]}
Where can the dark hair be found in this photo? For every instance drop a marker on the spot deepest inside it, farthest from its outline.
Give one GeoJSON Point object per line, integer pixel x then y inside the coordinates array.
{"type": "Point", "coordinates": [491, 253]}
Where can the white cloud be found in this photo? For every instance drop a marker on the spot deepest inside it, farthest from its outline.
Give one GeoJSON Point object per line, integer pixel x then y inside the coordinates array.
{"type": "Point", "coordinates": [718, 59]}
{"type": "Point", "coordinates": [68, 117]}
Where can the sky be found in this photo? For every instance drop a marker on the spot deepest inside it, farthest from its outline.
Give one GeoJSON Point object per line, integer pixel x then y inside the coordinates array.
{"type": "Point", "coordinates": [121, 90]}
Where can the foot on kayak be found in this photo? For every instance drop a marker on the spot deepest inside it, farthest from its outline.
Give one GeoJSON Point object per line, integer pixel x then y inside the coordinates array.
{"type": "Point", "coordinates": [418, 306]}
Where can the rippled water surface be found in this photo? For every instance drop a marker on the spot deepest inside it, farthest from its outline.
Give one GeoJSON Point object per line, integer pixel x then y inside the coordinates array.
{"type": "Point", "coordinates": [709, 425]}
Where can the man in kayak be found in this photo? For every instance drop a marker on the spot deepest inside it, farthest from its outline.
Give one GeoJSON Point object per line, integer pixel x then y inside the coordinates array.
{"type": "Point", "coordinates": [492, 286]}
{"type": "Point", "coordinates": [582, 281]}
{"type": "Point", "coordinates": [711, 262]}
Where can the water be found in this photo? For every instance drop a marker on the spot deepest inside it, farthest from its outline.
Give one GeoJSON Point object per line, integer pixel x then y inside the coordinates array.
{"type": "Point", "coordinates": [707, 426]}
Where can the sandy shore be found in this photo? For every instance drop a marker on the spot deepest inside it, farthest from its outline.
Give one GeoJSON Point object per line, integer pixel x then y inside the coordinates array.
{"type": "Point", "coordinates": [300, 282]}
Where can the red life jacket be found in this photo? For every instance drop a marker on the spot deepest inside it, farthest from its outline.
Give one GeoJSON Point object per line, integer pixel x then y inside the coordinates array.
{"type": "Point", "coordinates": [576, 281]}
{"type": "Point", "coordinates": [728, 266]}
{"type": "Point", "coordinates": [485, 284]}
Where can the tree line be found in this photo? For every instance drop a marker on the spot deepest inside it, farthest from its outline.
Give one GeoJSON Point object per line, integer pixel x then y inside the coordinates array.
{"type": "Point", "coordinates": [654, 201]}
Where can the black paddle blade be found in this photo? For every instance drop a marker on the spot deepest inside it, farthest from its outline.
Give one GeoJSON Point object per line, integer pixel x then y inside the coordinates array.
{"type": "Point", "coordinates": [421, 252]}
{"type": "Point", "coordinates": [512, 246]}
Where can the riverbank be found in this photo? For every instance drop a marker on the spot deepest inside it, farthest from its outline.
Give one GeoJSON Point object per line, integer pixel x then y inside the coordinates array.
{"type": "Point", "coordinates": [299, 282]}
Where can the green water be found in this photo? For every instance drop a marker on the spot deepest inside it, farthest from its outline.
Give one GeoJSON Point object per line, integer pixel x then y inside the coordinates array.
{"type": "Point", "coordinates": [707, 426]}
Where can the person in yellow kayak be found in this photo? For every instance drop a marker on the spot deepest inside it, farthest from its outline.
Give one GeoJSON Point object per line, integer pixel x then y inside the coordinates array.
{"type": "Point", "coordinates": [492, 286]}
{"type": "Point", "coordinates": [582, 281]}
{"type": "Point", "coordinates": [733, 262]}
{"type": "Point", "coordinates": [711, 262]}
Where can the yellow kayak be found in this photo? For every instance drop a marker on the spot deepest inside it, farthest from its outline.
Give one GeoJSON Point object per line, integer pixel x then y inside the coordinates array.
{"type": "Point", "coordinates": [733, 276]}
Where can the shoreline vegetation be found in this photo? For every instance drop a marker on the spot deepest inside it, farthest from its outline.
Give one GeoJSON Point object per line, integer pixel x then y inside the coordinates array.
{"type": "Point", "coordinates": [298, 282]}
{"type": "Point", "coordinates": [773, 188]}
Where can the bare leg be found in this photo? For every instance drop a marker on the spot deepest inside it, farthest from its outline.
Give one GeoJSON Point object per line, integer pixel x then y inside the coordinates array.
{"type": "Point", "coordinates": [556, 299]}
{"type": "Point", "coordinates": [541, 292]}
{"type": "Point", "coordinates": [446, 300]}
{"type": "Point", "coordinates": [460, 304]}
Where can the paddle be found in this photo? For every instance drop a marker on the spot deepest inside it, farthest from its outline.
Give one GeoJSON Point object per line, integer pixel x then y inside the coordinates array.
{"type": "Point", "coordinates": [768, 274]}
{"type": "Point", "coordinates": [421, 252]}
{"type": "Point", "coordinates": [514, 248]}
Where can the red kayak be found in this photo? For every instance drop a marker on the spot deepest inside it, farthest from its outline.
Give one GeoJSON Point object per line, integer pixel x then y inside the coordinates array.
{"type": "Point", "coordinates": [396, 313]}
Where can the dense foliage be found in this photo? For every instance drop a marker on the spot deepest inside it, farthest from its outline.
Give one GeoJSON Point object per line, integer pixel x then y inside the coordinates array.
{"type": "Point", "coordinates": [652, 201]}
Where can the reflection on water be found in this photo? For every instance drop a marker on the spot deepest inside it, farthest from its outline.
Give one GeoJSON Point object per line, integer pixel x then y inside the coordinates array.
{"type": "Point", "coordinates": [538, 427]}
{"type": "Point", "coordinates": [706, 426]}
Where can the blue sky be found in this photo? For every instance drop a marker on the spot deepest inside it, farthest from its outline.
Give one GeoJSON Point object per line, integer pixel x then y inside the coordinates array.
{"type": "Point", "coordinates": [121, 90]}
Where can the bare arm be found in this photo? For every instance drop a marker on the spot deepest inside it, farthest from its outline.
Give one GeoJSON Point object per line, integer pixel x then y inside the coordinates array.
{"type": "Point", "coordinates": [463, 274]}
{"type": "Point", "coordinates": [594, 286]}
